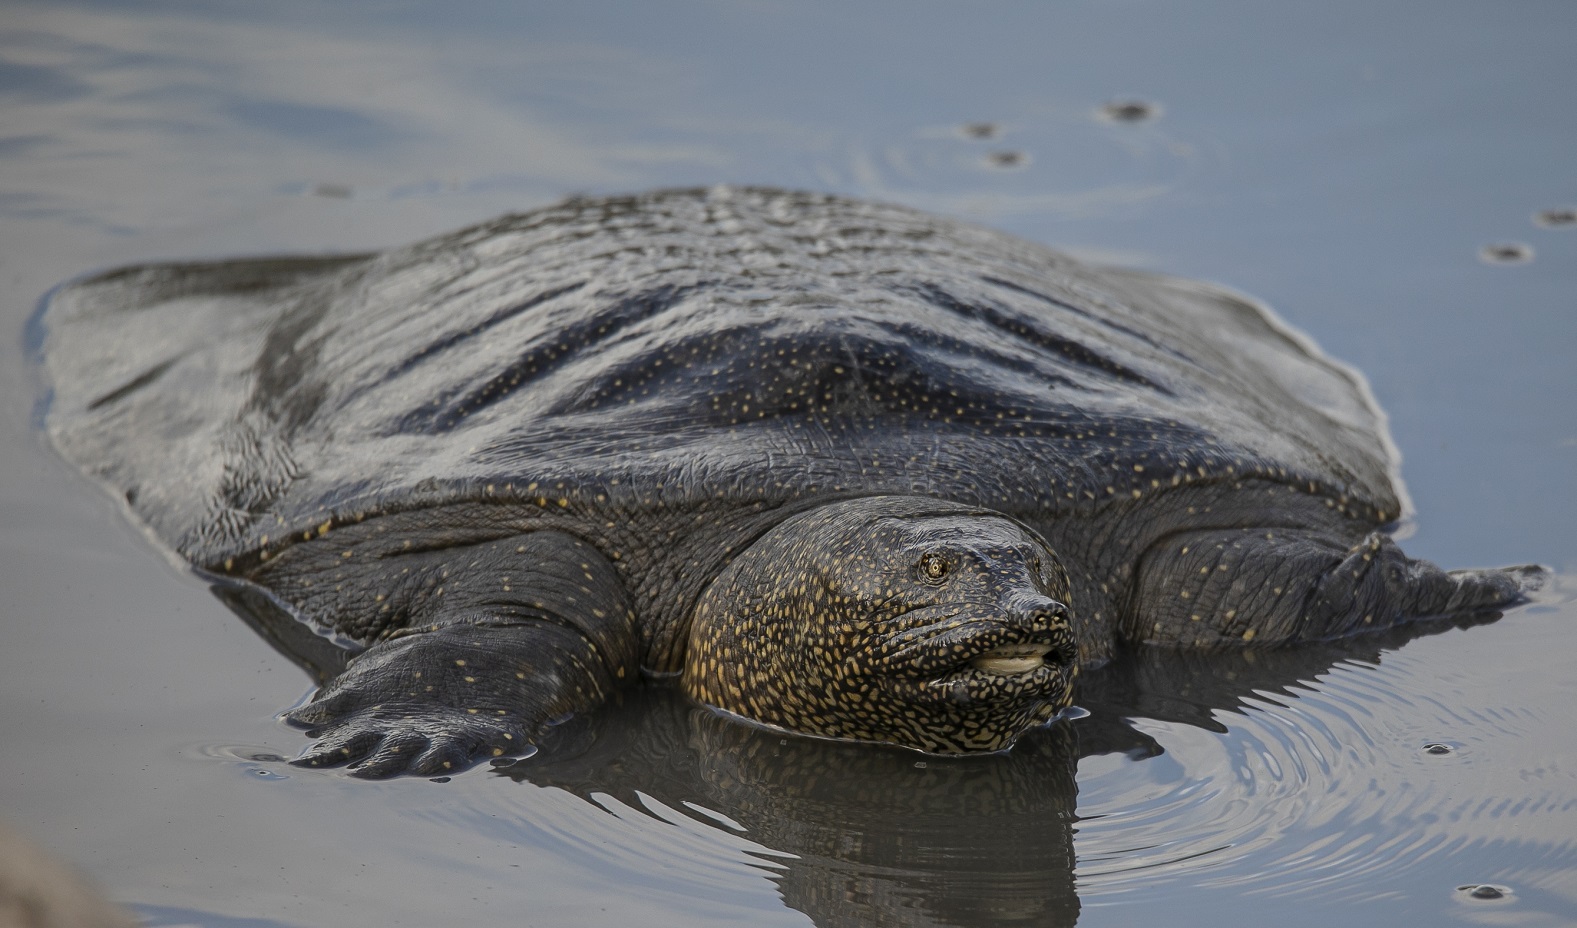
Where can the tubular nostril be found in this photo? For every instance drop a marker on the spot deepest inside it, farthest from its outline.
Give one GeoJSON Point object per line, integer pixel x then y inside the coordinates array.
{"type": "Point", "coordinates": [1050, 617]}
{"type": "Point", "coordinates": [1037, 608]}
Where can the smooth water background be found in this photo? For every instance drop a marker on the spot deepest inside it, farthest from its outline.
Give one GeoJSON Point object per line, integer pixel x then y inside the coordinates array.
{"type": "Point", "coordinates": [1344, 161]}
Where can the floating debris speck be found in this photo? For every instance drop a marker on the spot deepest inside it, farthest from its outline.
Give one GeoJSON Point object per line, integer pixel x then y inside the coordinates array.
{"type": "Point", "coordinates": [1007, 160]}
{"type": "Point", "coordinates": [1506, 253]}
{"type": "Point", "coordinates": [1129, 111]}
{"type": "Point", "coordinates": [1563, 218]}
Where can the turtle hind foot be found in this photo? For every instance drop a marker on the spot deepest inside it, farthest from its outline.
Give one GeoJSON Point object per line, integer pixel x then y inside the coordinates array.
{"type": "Point", "coordinates": [1500, 586]}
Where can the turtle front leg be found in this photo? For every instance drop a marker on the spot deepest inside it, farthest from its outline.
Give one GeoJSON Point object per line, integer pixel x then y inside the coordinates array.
{"type": "Point", "coordinates": [1271, 586]}
{"type": "Point", "coordinates": [507, 637]}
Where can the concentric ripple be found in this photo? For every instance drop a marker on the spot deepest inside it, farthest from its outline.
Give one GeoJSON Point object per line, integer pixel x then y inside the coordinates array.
{"type": "Point", "coordinates": [1069, 161]}
{"type": "Point", "coordinates": [1356, 778]}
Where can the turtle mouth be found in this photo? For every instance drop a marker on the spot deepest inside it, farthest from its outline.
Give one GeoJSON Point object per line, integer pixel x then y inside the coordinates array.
{"type": "Point", "coordinates": [1013, 660]}
{"type": "Point", "coordinates": [945, 647]}
{"type": "Point", "coordinates": [1037, 660]}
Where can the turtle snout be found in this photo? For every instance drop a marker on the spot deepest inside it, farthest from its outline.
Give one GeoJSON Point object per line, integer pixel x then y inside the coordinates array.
{"type": "Point", "coordinates": [1037, 613]}
{"type": "Point", "coordinates": [1040, 618]}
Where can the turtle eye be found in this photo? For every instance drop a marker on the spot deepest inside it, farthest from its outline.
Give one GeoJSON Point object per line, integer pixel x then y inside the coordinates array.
{"type": "Point", "coordinates": [934, 567]}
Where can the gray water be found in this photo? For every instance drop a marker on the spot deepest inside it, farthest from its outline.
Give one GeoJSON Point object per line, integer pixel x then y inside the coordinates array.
{"type": "Point", "coordinates": [1347, 162]}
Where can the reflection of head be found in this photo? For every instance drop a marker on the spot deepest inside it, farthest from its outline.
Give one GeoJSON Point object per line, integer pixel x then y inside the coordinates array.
{"type": "Point", "coordinates": [885, 836]}
{"type": "Point", "coordinates": [896, 619]}
{"type": "Point", "coordinates": [878, 835]}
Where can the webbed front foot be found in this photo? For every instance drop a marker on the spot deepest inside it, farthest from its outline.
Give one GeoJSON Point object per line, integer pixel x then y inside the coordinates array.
{"type": "Point", "coordinates": [387, 740]}
{"type": "Point", "coordinates": [438, 701]}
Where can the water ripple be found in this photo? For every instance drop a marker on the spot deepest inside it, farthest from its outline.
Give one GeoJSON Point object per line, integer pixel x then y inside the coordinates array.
{"type": "Point", "coordinates": [1320, 782]}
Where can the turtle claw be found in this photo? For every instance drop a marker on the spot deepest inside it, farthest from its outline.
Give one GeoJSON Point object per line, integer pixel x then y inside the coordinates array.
{"type": "Point", "coordinates": [441, 759]}
{"type": "Point", "coordinates": [339, 749]}
{"type": "Point", "coordinates": [391, 758]}
{"type": "Point", "coordinates": [389, 741]}
{"type": "Point", "coordinates": [434, 704]}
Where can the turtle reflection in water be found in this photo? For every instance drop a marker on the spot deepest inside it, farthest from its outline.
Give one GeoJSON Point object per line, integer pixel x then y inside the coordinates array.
{"type": "Point", "coordinates": [844, 468]}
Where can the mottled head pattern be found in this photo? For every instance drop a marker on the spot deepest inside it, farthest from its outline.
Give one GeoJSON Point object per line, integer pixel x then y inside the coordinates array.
{"type": "Point", "coordinates": [913, 621]}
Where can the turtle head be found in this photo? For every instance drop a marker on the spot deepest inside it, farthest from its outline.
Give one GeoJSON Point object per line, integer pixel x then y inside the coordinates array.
{"type": "Point", "coordinates": [919, 622]}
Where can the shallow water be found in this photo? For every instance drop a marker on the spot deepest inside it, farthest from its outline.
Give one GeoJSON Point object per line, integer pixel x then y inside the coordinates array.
{"type": "Point", "coordinates": [1346, 163]}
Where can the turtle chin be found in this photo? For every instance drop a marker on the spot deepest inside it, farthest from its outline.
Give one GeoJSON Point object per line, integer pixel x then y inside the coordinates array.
{"type": "Point", "coordinates": [927, 624]}
{"type": "Point", "coordinates": [988, 709]}
{"type": "Point", "coordinates": [980, 690]}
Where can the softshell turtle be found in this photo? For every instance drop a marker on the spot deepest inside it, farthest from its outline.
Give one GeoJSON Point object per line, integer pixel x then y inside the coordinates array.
{"type": "Point", "coordinates": [846, 468]}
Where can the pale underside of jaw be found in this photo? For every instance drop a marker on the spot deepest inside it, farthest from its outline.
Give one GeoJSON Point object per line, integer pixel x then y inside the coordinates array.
{"type": "Point", "coordinates": [1012, 660]}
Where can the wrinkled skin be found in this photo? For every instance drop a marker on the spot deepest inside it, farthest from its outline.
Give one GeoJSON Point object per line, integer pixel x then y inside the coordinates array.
{"type": "Point", "coordinates": [518, 466]}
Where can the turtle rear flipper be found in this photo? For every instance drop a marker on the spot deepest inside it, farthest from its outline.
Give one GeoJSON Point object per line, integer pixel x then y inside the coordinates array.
{"type": "Point", "coordinates": [1272, 586]}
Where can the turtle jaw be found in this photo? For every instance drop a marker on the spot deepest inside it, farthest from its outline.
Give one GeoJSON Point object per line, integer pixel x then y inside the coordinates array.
{"type": "Point", "coordinates": [1001, 650]}
{"type": "Point", "coordinates": [1007, 678]}
{"type": "Point", "coordinates": [971, 678]}
{"type": "Point", "coordinates": [1012, 660]}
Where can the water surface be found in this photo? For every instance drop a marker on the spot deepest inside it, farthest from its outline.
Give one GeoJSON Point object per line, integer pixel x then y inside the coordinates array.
{"type": "Point", "coordinates": [1384, 177]}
